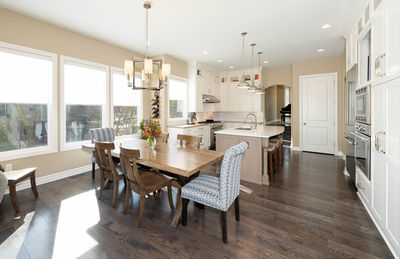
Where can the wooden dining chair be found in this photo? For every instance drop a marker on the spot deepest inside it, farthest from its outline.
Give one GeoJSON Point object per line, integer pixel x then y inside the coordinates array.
{"type": "Point", "coordinates": [163, 138]}
{"type": "Point", "coordinates": [100, 135]}
{"type": "Point", "coordinates": [218, 193]}
{"type": "Point", "coordinates": [189, 141]}
{"type": "Point", "coordinates": [141, 182]}
{"type": "Point", "coordinates": [108, 170]}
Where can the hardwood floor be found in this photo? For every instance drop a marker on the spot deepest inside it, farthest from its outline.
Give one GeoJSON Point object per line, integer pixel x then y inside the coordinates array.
{"type": "Point", "coordinates": [310, 211]}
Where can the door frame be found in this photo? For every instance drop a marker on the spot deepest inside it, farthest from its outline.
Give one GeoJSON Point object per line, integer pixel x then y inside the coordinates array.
{"type": "Point", "coordinates": [335, 117]}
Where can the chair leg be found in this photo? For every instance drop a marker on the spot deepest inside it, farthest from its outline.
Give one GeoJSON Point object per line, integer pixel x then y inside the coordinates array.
{"type": "Point", "coordinates": [93, 169]}
{"type": "Point", "coordinates": [237, 210]}
{"type": "Point", "coordinates": [141, 209]}
{"type": "Point", "coordinates": [115, 194]}
{"type": "Point", "coordinates": [127, 198]}
{"type": "Point", "coordinates": [13, 197]}
{"type": "Point", "coordinates": [171, 201]}
{"type": "Point", "coordinates": [223, 226]}
{"type": "Point", "coordinates": [270, 167]}
{"type": "Point", "coordinates": [33, 185]}
{"type": "Point", "coordinates": [102, 181]}
{"type": "Point", "coordinates": [281, 152]}
{"type": "Point", "coordinates": [184, 211]}
{"type": "Point", "coordinates": [275, 155]}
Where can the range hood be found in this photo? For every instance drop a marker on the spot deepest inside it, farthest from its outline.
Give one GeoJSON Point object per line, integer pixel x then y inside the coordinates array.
{"type": "Point", "coordinates": [210, 99]}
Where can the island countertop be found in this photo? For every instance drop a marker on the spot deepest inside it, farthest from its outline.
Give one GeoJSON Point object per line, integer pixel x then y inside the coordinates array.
{"type": "Point", "coordinates": [260, 132]}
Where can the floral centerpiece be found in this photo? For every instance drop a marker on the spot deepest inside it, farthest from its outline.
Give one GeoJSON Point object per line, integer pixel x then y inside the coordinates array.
{"type": "Point", "coordinates": [150, 130]}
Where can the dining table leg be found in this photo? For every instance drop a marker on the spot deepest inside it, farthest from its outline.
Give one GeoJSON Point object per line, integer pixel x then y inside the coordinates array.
{"type": "Point", "coordinates": [178, 212]}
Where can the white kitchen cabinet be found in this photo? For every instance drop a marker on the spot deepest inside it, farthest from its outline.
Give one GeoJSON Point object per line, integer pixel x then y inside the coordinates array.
{"type": "Point", "coordinates": [201, 80]}
{"type": "Point", "coordinates": [200, 131]}
{"type": "Point", "coordinates": [351, 47]}
{"type": "Point", "coordinates": [385, 39]}
{"type": "Point", "coordinates": [385, 160]}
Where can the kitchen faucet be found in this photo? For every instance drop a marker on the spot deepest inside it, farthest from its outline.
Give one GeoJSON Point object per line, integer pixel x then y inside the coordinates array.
{"type": "Point", "coordinates": [255, 120]}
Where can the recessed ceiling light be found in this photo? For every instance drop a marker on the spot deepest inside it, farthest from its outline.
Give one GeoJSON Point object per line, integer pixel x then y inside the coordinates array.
{"type": "Point", "coordinates": [219, 60]}
{"type": "Point", "coordinates": [325, 26]}
{"type": "Point", "coordinates": [231, 67]}
{"type": "Point", "coordinates": [265, 62]}
{"type": "Point", "coordinates": [320, 50]}
{"type": "Point", "coordinates": [205, 52]}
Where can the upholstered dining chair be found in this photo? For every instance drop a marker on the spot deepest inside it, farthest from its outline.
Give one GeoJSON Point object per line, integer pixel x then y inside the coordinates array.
{"type": "Point", "coordinates": [100, 135]}
{"type": "Point", "coordinates": [108, 170]}
{"type": "Point", "coordinates": [218, 193]}
{"type": "Point", "coordinates": [142, 182]}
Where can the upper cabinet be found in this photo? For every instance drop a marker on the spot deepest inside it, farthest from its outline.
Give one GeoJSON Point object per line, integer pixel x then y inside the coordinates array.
{"type": "Point", "coordinates": [385, 38]}
{"type": "Point", "coordinates": [351, 47]}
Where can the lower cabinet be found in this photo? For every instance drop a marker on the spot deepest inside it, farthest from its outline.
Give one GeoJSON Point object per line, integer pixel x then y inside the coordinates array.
{"type": "Point", "coordinates": [200, 131]}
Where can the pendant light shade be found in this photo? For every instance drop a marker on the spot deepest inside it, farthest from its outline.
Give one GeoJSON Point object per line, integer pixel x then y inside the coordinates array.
{"type": "Point", "coordinates": [242, 82]}
{"type": "Point", "coordinates": [260, 89]}
{"type": "Point", "coordinates": [253, 88]}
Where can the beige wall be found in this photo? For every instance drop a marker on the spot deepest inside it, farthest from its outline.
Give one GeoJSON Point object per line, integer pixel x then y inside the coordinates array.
{"type": "Point", "coordinates": [277, 76]}
{"type": "Point", "coordinates": [280, 100]}
{"type": "Point", "coordinates": [25, 31]}
{"type": "Point", "coordinates": [319, 66]}
{"type": "Point", "coordinates": [270, 103]}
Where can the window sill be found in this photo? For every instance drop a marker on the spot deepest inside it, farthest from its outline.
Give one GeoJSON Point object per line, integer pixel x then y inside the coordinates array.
{"type": "Point", "coordinates": [25, 153]}
{"type": "Point", "coordinates": [73, 145]}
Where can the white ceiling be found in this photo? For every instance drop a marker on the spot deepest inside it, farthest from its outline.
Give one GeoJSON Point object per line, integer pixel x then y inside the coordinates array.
{"type": "Point", "coordinates": [285, 30]}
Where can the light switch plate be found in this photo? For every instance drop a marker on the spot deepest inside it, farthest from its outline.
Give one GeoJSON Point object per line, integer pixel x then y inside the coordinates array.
{"type": "Point", "coordinates": [8, 167]}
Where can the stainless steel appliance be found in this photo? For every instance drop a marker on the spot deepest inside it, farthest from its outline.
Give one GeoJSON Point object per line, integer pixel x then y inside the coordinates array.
{"type": "Point", "coordinates": [363, 148]}
{"type": "Point", "coordinates": [363, 104]}
{"type": "Point", "coordinates": [207, 98]}
{"type": "Point", "coordinates": [214, 126]}
{"type": "Point", "coordinates": [191, 118]}
{"type": "Point", "coordinates": [350, 119]}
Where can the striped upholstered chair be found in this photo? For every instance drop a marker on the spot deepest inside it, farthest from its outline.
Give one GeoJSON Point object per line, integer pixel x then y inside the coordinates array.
{"type": "Point", "coordinates": [100, 135]}
{"type": "Point", "coordinates": [218, 193]}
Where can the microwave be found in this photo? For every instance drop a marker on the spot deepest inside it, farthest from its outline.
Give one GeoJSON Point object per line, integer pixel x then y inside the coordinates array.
{"type": "Point", "coordinates": [363, 105]}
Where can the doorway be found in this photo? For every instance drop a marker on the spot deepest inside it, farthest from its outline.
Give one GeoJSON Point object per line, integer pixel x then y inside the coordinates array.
{"type": "Point", "coordinates": [318, 113]}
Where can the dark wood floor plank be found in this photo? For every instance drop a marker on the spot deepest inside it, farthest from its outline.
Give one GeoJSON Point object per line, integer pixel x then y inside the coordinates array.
{"type": "Point", "coordinates": [310, 211]}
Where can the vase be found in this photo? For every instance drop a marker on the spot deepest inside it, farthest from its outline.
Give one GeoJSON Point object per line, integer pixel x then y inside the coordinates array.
{"type": "Point", "coordinates": [151, 143]}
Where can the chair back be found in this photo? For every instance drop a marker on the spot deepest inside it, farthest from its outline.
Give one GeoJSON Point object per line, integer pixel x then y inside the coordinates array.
{"type": "Point", "coordinates": [102, 152]}
{"type": "Point", "coordinates": [190, 141]}
{"type": "Point", "coordinates": [102, 135]}
{"type": "Point", "coordinates": [129, 167]}
{"type": "Point", "coordinates": [163, 138]}
{"type": "Point", "coordinates": [229, 181]}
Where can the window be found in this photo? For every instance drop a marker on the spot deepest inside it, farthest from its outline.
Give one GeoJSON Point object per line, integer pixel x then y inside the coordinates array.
{"type": "Point", "coordinates": [28, 124]}
{"type": "Point", "coordinates": [126, 104]}
{"type": "Point", "coordinates": [84, 103]}
{"type": "Point", "coordinates": [177, 98]}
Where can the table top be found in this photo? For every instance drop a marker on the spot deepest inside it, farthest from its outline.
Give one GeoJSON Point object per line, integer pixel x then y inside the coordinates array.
{"type": "Point", "coordinates": [168, 157]}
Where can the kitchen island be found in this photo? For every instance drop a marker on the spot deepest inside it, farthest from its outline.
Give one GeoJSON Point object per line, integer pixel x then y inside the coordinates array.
{"type": "Point", "coordinates": [255, 161]}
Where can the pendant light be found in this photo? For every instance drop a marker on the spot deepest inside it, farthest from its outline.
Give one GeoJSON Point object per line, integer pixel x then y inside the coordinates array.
{"type": "Point", "coordinates": [260, 89]}
{"type": "Point", "coordinates": [253, 88]}
{"type": "Point", "coordinates": [154, 73]}
{"type": "Point", "coordinates": [242, 83]}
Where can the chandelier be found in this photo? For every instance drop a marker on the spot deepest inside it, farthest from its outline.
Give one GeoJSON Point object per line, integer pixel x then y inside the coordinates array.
{"type": "Point", "coordinates": [253, 88]}
{"type": "Point", "coordinates": [153, 74]}
{"type": "Point", "coordinates": [260, 89]}
{"type": "Point", "coordinates": [242, 82]}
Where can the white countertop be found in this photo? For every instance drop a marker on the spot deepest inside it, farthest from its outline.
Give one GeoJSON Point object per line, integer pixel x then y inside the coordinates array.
{"type": "Point", "coordinates": [260, 132]}
{"type": "Point", "coordinates": [185, 126]}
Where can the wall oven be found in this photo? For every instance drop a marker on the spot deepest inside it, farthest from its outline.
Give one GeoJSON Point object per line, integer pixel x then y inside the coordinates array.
{"type": "Point", "coordinates": [363, 102]}
{"type": "Point", "coordinates": [362, 152]}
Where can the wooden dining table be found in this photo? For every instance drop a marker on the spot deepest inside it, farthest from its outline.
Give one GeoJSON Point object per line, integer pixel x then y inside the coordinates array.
{"type": "Point", "coordinates": [183, 162]}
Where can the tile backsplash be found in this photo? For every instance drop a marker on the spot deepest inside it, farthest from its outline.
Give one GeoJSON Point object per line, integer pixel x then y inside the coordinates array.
{"type": "Point", "coordinates": [227, 116]}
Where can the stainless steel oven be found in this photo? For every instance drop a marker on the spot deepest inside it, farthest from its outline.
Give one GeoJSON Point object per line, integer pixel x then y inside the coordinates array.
{"type": "Point", "coordinates": [363, 104]}
{"type": "Point", "coordinates": [363, 148]}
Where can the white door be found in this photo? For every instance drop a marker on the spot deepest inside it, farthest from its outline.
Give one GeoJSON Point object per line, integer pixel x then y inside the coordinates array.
{"type": "Point", "coordinates": [318, 113]}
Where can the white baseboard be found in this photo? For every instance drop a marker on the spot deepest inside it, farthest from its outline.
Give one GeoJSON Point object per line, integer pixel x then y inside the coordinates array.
{"type": "Point", "coordinates": [53, 177]}
{"type": "Point", "coordinates": [295, 148]}
{"type": "Point", "coordinates": [381, 231]}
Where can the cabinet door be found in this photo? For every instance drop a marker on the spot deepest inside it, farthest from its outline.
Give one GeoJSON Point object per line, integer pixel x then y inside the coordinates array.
{"type": "Point", "coordinates": [393, 204]}
{"type": "Point", "coordinates": [378, 180]}
{"type": "Point", "coordinates": [251, 169]}
{"type": "Point", "coordinates": [378, 44]}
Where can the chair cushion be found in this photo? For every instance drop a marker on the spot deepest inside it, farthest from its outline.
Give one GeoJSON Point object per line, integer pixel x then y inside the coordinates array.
{"type": "Point", "coordinates": [205, 190]}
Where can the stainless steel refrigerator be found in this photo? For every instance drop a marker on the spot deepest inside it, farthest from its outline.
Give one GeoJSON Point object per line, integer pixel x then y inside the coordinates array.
{"type": "Point", "coordinates": [350, 118]}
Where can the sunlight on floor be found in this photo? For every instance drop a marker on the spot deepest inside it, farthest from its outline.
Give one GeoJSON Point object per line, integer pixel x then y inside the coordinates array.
{"type": "Point", "coordinates": [11, 246]}
{"type": "Point", "coordinates": [77, 215]}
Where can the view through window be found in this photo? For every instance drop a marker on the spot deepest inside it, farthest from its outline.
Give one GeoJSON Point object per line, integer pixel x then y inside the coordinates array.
{"type": "Point", "coordinates": [177, 97]}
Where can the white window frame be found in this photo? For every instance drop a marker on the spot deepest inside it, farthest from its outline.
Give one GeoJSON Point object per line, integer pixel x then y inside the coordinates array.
{"type": "Point", "coordinates": [105, 107]}
{"type": "Point", "coordinates": [140, 108]}
{"type": "Point", "coordinates": [173, 121]}
{"type": "Point", "coordinates": [51, 107]}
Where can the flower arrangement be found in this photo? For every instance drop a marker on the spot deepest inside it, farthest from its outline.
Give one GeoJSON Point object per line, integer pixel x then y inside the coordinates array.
{"type": "Point", "coordinates": [150, 130]}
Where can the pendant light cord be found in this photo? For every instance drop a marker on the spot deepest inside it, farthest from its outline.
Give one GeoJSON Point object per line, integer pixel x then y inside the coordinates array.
{"type": "Point", "coordinates": [147, 33]}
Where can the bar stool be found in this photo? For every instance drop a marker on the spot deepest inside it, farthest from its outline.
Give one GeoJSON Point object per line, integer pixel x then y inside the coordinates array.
{"type": "Point", "coordinates": [272, 160]}
{"type": "Point", "coordinates": [279, 142]}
